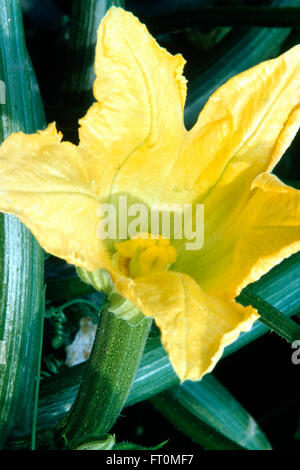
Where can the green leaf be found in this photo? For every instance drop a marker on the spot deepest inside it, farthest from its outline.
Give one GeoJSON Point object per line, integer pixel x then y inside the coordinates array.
{"type": "Point", "coordinates": [21, 258]}
{"type": "Point", "coordinates": [280, 287]}
{"type": "Point", "coordinates": [207, 413]}
{"type": "Point", "coordinates": [60, 290]}
{"type": "Point", "coordinates": [245, 51]}
{"type": "Point", "coordinates": [37, 385]}
{"type": "Point", "coordinates": [80, 76]}
{"type": "Point", "coordinates": [297, 433]}
{"type": "Point", "coordinates": [131, 446]}
{"type": "Point", "coordinates": [96, 443]}
{"type": "Point", "coordinates": [271, 316]}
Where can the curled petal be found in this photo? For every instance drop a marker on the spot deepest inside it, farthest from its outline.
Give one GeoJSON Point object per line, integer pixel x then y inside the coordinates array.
{"type": "Point", "coordinates": [271, 230]}
{"type": "Point", "coordinates": [45, 183]}
{"type": "Point", "coordinates": [137, 122]}
{"type": "Point", "coordinates": [265, 232]}
{"type": "Point", "coordinates": [244, 128]}
{"type": "Point", "coordinates": [195, 326]}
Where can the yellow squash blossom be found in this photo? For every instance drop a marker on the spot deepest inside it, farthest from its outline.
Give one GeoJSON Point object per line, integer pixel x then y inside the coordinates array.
{"type": "Point", "coordinates": [133, 141]}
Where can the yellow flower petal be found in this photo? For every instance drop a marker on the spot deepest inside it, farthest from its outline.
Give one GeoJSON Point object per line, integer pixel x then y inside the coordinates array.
{"type": "Point", "coordinates": [195, 326]}
{"type": "Point", "coordinates": [262, 234]}
{"type": "Point", "coordinates": [133, 141]}
{"type": "Point", "coordinates": [271, 231]}
{"type": "Point", "coordinates": [243, 130]}
{"type": "Point", "coordinates": [138, 117]}
{"type": "Point", "coordinates": [46, 184]}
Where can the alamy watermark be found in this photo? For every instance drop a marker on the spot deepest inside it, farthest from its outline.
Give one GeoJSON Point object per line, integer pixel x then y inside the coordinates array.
{"type": "Point", "coordinates": [122, 221]}
{"type": "Point", "coordinates": [296, 354]}
{"type": "Point", "coordinates": [2, 352]}
{"type": "Point", "coordinates": [2, 92]}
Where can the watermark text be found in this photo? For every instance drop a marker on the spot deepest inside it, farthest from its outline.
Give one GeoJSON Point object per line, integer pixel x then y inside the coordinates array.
{"type": "Point", "coordinates": [122, 220]}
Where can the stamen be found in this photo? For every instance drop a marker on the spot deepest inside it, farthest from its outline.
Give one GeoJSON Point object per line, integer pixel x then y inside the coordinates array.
{"type": "Point", "coordinates": [143, 255]}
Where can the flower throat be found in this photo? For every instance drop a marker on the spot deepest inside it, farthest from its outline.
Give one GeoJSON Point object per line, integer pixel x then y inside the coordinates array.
{"type": "Point", "coordinates": [143, 255]}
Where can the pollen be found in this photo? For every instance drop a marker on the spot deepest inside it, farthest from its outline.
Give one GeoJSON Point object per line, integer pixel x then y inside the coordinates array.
{"type": "Point", "coordinates": [144, 255]}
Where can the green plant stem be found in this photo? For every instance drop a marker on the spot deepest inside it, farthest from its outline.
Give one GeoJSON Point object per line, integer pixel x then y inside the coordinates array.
{"type": "Point", "coordinates": [271, 316]}
{"type": "Point", "coordinates": [60, 290]}
{"type": "Point", "coordinates": [79, 301]}
{"type": "Point", "coordinates": [80, 76]}
{"type": "Point", "coordinates": [21, 258]}
{"type": "Point", "coordinates": [115, 357]}
{"type": "Point", "coordinates": [37, 387]}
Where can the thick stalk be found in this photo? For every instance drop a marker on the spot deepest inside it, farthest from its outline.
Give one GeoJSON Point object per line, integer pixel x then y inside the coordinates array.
{"type": "Point", "coordinates": [271, 316]}
{"type": "Point", "coordinates": [113, 363]}
{"type": "Point", "coordinates": [21, 258]}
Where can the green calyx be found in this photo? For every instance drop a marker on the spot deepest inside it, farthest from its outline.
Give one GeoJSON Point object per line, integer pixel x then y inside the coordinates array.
{"type": "Point", "coordinates": [118, 304]}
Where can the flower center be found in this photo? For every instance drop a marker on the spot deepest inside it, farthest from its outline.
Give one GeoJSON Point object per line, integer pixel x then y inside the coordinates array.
{"type": "Point", "coordinates": [143, 255]}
